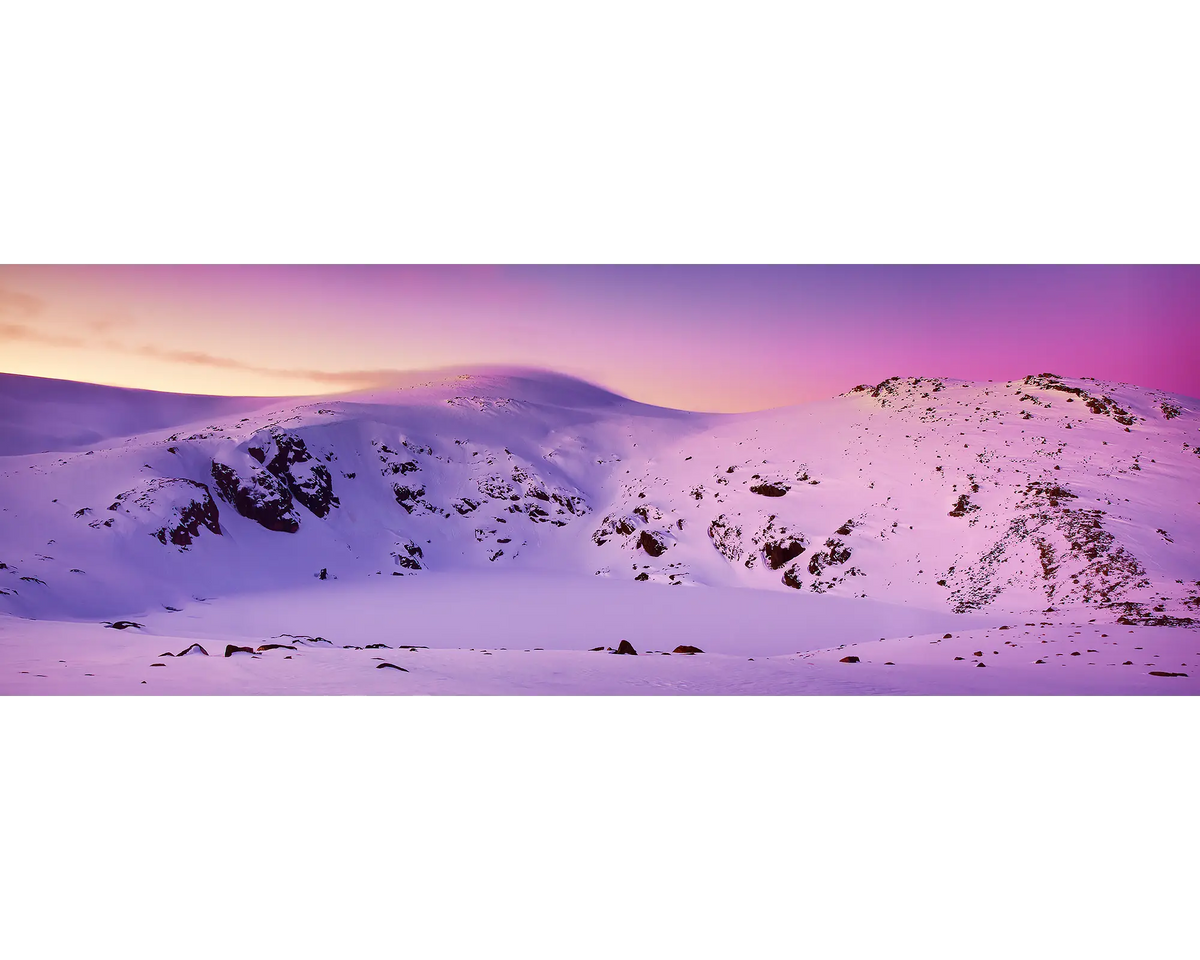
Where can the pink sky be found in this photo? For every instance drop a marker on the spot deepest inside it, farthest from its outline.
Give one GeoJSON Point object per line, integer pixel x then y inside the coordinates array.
{"type": "Point", "coordinates": [702, 337]}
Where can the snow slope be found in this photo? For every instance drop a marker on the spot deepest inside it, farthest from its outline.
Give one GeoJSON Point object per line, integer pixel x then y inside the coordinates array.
{"type": "Point", "coordinates": [530, 503]}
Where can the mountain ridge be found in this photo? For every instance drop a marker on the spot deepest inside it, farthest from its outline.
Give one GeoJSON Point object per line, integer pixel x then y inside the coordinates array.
{"type": "Point", "coordinates": [1029, 495]}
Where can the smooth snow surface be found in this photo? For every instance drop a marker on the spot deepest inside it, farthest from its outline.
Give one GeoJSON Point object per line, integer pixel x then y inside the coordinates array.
{"type": "Point", "coordinates": [492, 508]}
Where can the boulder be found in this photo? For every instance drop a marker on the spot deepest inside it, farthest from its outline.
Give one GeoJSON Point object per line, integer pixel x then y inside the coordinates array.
{"type": "Point", "coordinates": [625, 647]}
{"type": "Point", "coordinates": [686, 648]}
{"type": "Point", "coordinates": [652, 543]}
{"type": "Point", "coordinates": [231, 649]}
{"type": "Point", "coordinates": [849, 660]}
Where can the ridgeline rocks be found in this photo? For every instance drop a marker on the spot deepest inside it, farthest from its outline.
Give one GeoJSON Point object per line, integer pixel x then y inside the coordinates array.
{"type": "Point", "coordinates": [1097, 403]}
{"type": "Point", "coordinates": [259, 497]}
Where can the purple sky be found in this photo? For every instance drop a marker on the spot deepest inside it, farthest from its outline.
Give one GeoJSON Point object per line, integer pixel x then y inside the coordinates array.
{"type": "Point", "coordinates": [700, 337]}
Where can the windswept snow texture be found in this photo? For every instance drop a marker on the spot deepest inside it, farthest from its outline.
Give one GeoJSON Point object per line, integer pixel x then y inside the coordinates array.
{"type": "Point", "coordinates": [486, 509]}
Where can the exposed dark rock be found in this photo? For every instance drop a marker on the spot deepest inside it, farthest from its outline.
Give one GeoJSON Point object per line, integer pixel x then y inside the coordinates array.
{"type": "Point", "coordinates": [378, 646]}
{"type": "Point", "coordinates": [1166, 673]}
{"type": "Point", "coordinates": [275, 646]}
{"type": "Point", "coordinates": [390, 666]}
{"type": "Point", "coordinates": [407, 555]}
{"type": "Point", "coordinates": [687, 648]}
{"type": "Point", "coordinates": [642, 577]}
{"type": "Point", "coordinates": [194, 650]}
{"type": "Point", "coordinates": [625, 647]}
{"type": "Point", "coordinates": [1159, 621]}
{"type": "Point", "coordinates": [261, 498]}
{"type": "Point", "coordinates": [573, 505]}
{"type": "Point", "coordinates": [776, 553]}
{"type": "Point", "coordinates": [231, 649]}
{"type": "Point", "coordinates": [199, 511]}
{"type": "Point", "coordinates": [791, 578]}
{"type": "Point", "coordinates": [981, 664]}
{"type": "Point", "coordinates": [123, 624]}
{"type": "Point", "coordinates": [306, 478]}
{"type": "Point", "coordinates": [770, 489]}
{"type": "Point", "coordinates": [406, 496]}
{"type": "Point", "coordinates": [835, 553]}
{"type": "Point", "coordinates": [850, 659]}
{"type": "Point", "coordinates": [652, 543]}
{"type": "Point", "coordinates": [963, 506]}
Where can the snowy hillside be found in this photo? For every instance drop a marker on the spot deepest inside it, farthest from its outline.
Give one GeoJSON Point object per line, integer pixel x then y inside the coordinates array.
{"type": "Point", "coordinates": [1068, 500]}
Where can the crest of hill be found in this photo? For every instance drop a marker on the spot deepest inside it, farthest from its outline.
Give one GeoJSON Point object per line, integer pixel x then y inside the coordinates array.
{"type": "Point", "coordinates": [39, 414]}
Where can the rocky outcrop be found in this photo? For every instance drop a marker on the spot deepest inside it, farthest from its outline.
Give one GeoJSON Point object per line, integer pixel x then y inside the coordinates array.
{"type": "Point", "coordinates": [777, 553]}
{"type": "Point", "coordinates": [625, 647]}
{"type": "Point", "coordinates": [726, 536]}
{"type": "Point", "coordinates": [287, 459]}
{"type": "Point", "coordinates": [192, 511]}
{"type": "Point", "coordinates": [687, 648]}
{"type": "Point", "coordinates": [653, 543]}
{"type": "Point", "coordinates": [835, 553]}
{"type": "Point", "coordinates": [963, 506]}
{"type": "Point", "coordinates": [407, 497]}
{"type": "Point", "coordinates": [766, 489]}
{"type": "Point", "coordinates": [260, 497]}
{"type": "Point", "coordinates": [408, 555]}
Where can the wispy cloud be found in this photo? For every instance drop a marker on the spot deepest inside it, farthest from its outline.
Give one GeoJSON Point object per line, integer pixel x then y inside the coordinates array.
{"type": "Point", "coordinates": [13, 303]}
{"type": "Point", "coordinates": [22, 331]}
{"type": "Point", "coordinates": [20, 308]}
{"type": "Point", "coordinates": [198, 358]}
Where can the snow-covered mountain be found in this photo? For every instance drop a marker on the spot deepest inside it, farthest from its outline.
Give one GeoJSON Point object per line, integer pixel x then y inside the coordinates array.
{"type": "Point", "coordinates": [1041, 494]}
{"type": "Point", "coordinates": [529, 507]}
